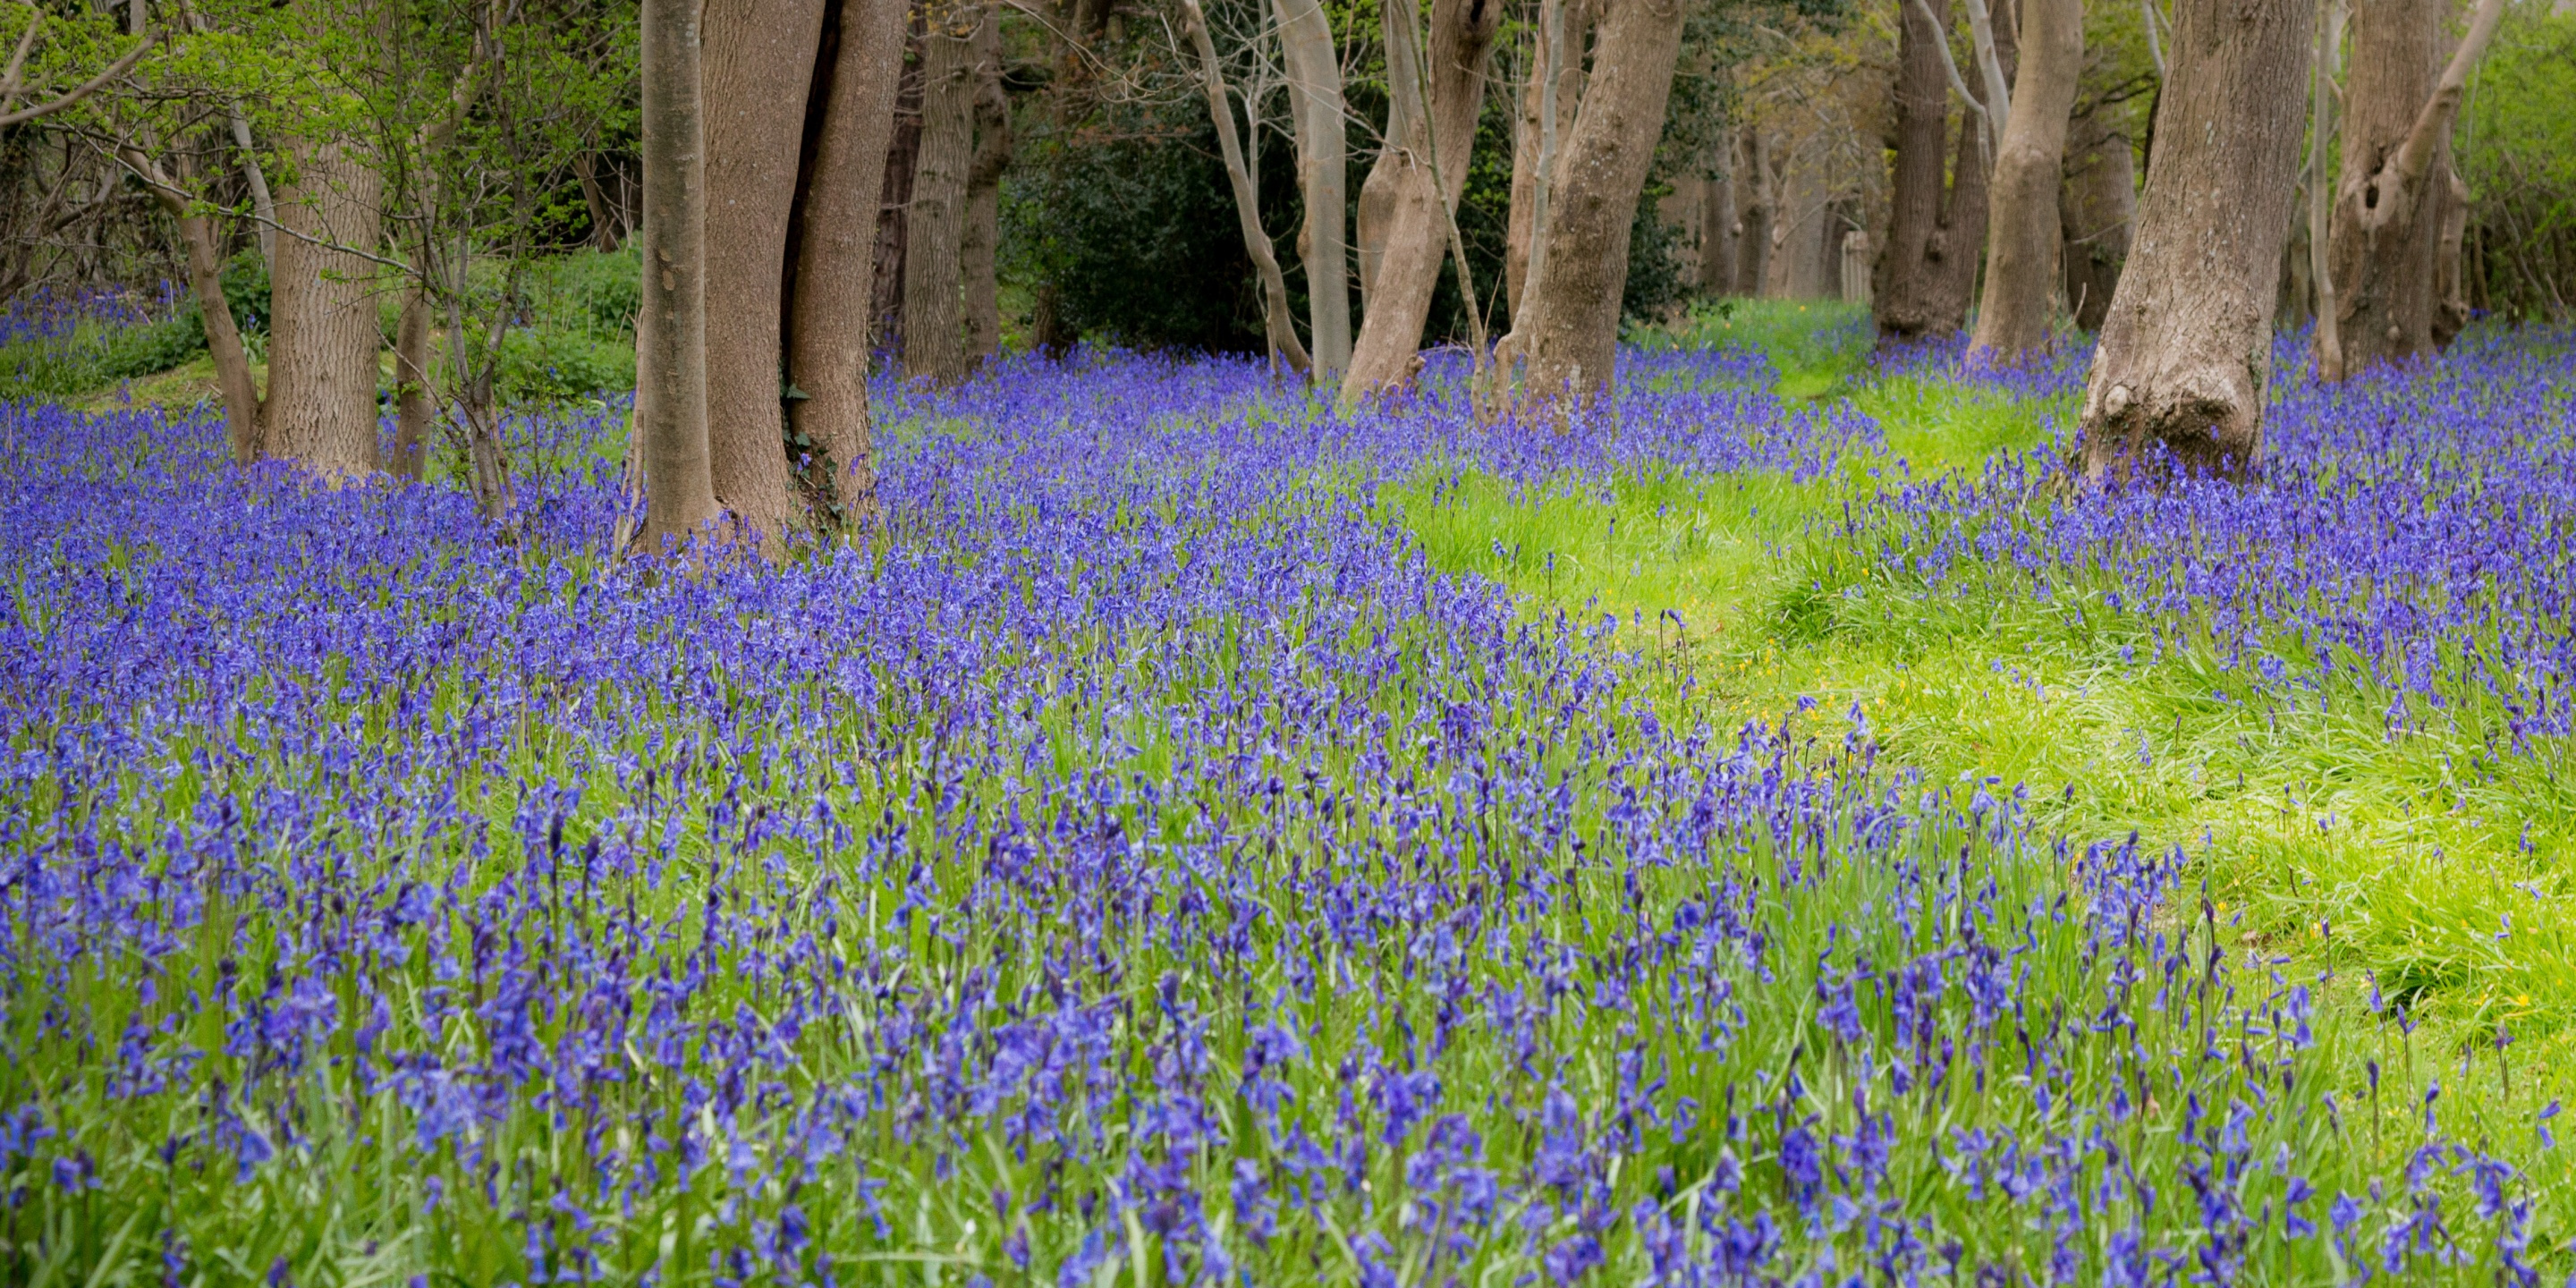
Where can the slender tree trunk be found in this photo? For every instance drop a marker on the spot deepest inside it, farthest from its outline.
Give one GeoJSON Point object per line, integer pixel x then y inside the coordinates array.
{"type": "Point", "coordinates": [1574, 315]}
{"type": "Point", "coordinates": [831, 308]}
{"type": "Point", "coordinates": [323, 337]}
{"type": "Point", "coordinates": [1315, 100]}
{"type": "Point", "coordinates": [2097, 207]}
{"type": "Point", "coordinates": [1538, 148]}
{"type": "Point", "coordinates": [607, 230]}
{"type": "Point", "coordinates": [983, 231]}
{"type": "Point", "coordinates": [894, 218]}
{"type": "Point", "coordinates": [758, 66]}
{"type": "Point", "coordinates": [670, 438]}
{"type": "Point", "coordinates": [933, 299]}
{"type": "Point", "coordinates": [2385, 241]}
{"type": "Point", "coordinates": [1276, 320]}
{"type": "Point", "coordinates": [1719, 232]}
{"type": "Point", "coordinates": [1761, 211]}
{"type": "Point", "coordinates": [1913, 293]}
{"type": "Point", "coordinates": [197, 237]}
{"type": "Point", "coordinates": [1428, 179]}
{"type": "Point", "coordinates": [2188, 345]}
{"type": "Point", "coordinates": [2450, 299]}
{"type": "Point", "coordinates": [412, 403]}
{"type": "Point", "coordinates": [2023, 233]}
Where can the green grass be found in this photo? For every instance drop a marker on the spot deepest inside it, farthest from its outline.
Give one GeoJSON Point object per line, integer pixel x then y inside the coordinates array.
{"type": "Point", "coordinates": [2406, 856]}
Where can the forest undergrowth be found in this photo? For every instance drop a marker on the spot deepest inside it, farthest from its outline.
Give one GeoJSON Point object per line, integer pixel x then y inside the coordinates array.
{"type": "Point", "coordinates": [1769, 835]}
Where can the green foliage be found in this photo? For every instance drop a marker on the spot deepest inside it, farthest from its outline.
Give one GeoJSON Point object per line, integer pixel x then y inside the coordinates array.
{"type": "Point", "coordinates": [96, 355]}
{"type": "Point", "coordinates": [246, 286]}
{"type": "Point", "coordinates": [2517, 150]}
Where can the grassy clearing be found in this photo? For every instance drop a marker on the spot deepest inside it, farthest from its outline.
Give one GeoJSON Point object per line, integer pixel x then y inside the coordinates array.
{"type": "Point", "coordinates": [2426, 858]}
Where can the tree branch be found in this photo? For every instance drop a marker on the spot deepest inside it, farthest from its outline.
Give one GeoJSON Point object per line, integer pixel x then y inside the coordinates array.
{"type": "Point", "coordinates": [9, 93]}
{"type": "Point", "coordinates": [2401, 177]}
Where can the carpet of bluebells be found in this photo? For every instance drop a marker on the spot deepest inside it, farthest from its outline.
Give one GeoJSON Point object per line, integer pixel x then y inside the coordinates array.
{"type": "Point", "coordinates": [1141, 865]}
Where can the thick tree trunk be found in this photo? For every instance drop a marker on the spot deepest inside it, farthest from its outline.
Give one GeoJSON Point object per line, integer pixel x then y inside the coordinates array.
{"type": "Point", "coordinates": [983, 231]}
{"type": "Point", "coordinates": [1531, 144]}
{"type": "Point", "coordinates": [894, 217]}
{"type": "Point", "coordinates": [1915, 293]}
{"type": "Point", "coordinates": [2188, 344]}
{"type": "Point", "coordinates": [1761, 212]}
{"type": "Point", "coordinates": [1275, 317]}
{"type": "Point", "coordinates": [2022, 234]}
{"type": "Point", "coordinates": [1429, 177]}
{"type": "Point", "coordinates": [1315, 101]}
{"type": "Point", "coordinates": [2097, 207]}
{"type": "Point", "coordinates": [412, 403]}
{"type": "Point", "coordinates": [1573, 324]}
{"type": "Point", "coordinates": [669, 443]}
{"type": "Point", "coordinates": [2385, 243]}
{"type": "Point", "coordinates": [933, 299]}
{"type": "Point", "coordinates": [323, 337]}
{"type": "Point", "coordinates": [831, 308]}
{"type": "Point", "coordinates": [758, 66]}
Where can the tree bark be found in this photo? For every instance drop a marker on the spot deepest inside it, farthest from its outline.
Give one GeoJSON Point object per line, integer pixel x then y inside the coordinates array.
{"type": "Point", "coordinates": [1761, 208]}
{"type": "Point", "coordinates": [197, 237]}
{"type": "Point", "coordinates": [933, 299]}
{"type": "Point", "coordinates": [669, 442]}
{"type": "Point", "coordinates": [2187, 347]}
{"type": "Point", "coordinates": [1573, 337]}
{"type": "Point", "coordinates": [2385, 240]}
{"type": "Point", "coordinates": [412, 403]}
{"type": "Point", "coordinates": [1315, 101]}
{"type": "Point", "coordinates": [758, 63]}
{"type": "Point", "coordinates": [2097, 207]}
{"type": "Point", "coordinates": [1535, 162]}
{"type": "Point", "coordinates": [830, 311]}
{"type": "Point", "coordinates": [323, 336]}
{"type": "Point", "coordinates": [2022, 234]}
{"type": "Point", "coordinates": [1917, 292]}
{"type": "Point", "coordinates": [1428, 179]}
{"type": "Point", "coordinates": [894, 216]}
{"type": "Point", "coordinates": [1276, 321]}
{"type": "Point", "coordinates": [983, 231]}
{"type": "Point", "coordinates": [1719, 233]}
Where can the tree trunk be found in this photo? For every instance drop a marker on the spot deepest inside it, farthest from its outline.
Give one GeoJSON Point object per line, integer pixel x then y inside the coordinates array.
{"type": "Point", "coordinates": [2022, 234]}
{"type": "Point", "coordinates": [2385, 240]}
{"type": "Point", "coordinates": [1275, 318]}
{"type": "Point", "coordinates": [669, 443]}
{"type": "Point", "coordinates": [983, 231]}
{"type": "Point", "coordinates": [1574, 313]}
{"type": "Point", "coordinates": [1761, 211]}
{"type": "Point", "coordinates": [2097, 206]}
{"type": "Point", "coordinates": [197, 236]}
{"type": "Point", "coordinates": [1315, 101]}
{"type": "Point", "coordinates": [1429, 177]}
{"type": "Point", "coordinates": [323, 337]}
{"type": "Point", "coordinates": [758, 67]}
{"type": "Point", "coordinates": [1533, 135]}
{"type": "Point", "coordinates": [1915, 293]}
{"type": "Point", "coordinates": [2188, 344]}
{"type": "Point", "coordinates": [934, 331]}
{"type": "Point", "coordinates": [831, 308]}
{"type": "Point", "coordinates": [894, 217]}
{"type": "Point", "coordinates": [1719, 232]}
{"type": "Point", "coordinates": [411, 387]}
{"type": "Point", "coordinates": [2450, 299]}
{"type": "Point", "coordinates": [608, 226]}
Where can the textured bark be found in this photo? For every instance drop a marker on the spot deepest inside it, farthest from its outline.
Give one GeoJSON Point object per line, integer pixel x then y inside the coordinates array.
{"type": "Point", "coordinates": [2097, 207]}
{"type": "Point", "coordinates": [1323, 245]}
{"type": "Point", "coordinates": [1719, 233]}
{"type": "Point", "coordinates": [2384, 245]}
{"type": "Point", "coordinates": [1574, 313]}
{"type": "Point", "coordinates": [933, 299]}
{"type": "Point", "coordinates": [2450, 302]}
{"type": "Point", "coordinates": [2188, 344]}
{"type": "Point", "coordinates": [2023, 232]}
{"type": "Point", "coordinates": [831, 307]}
{"type": "Point", "coordinates": [412, 402]}
{"type": "Point", "coordinates": [669, 443]}
{"type": "Point", "coordinates": [1915, 292]}
{"type": "Point", "coordinates": [323, 338]}
{"type": "Point", "coordinates": [1275, 318]}
{"type": "Point", "coordinates": [1533, 135]}
{"type": "Point", "coordinates": [1761, 212]}
{"type": "Point", "coordinates": [983, 231]}
{"type": "Point", "coordinates": [894, 216]}
{"type": "Point", "coordinates": [1429, 177]}
{"type": "Point", "coordinates": [758, 65]}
